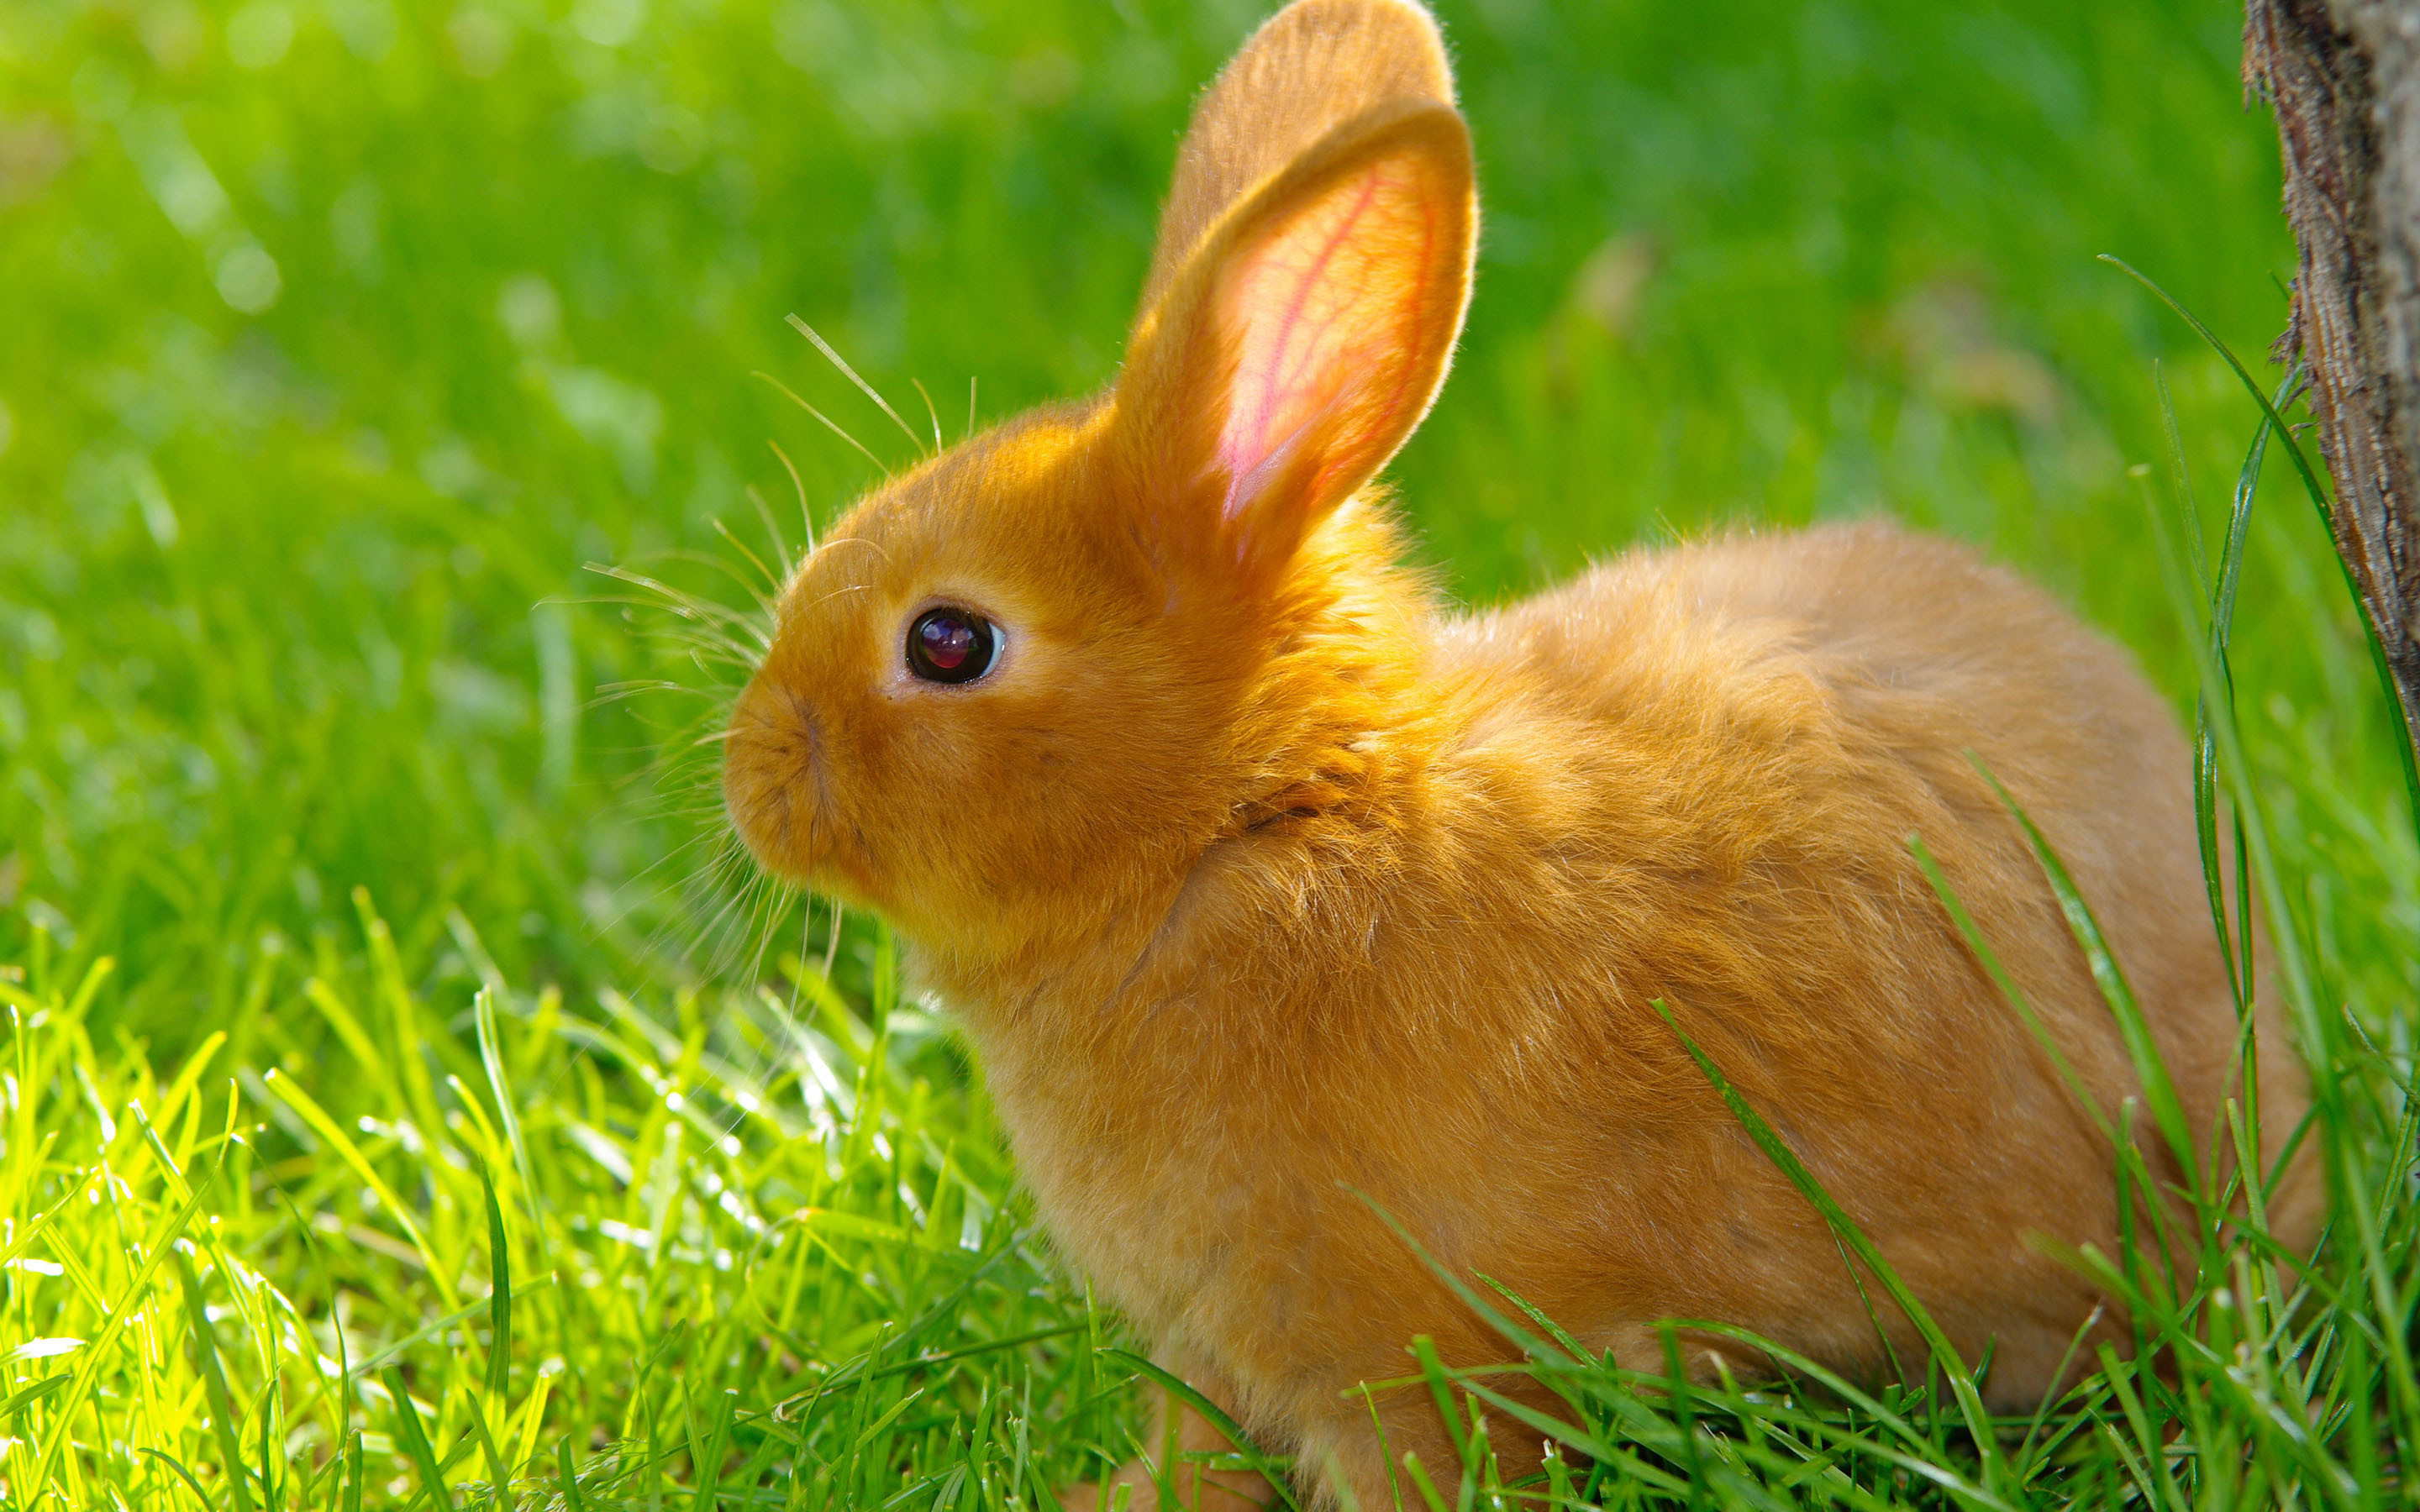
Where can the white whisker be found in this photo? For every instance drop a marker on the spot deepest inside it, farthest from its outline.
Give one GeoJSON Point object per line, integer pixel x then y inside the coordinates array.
{"type": "Point", "coordinates": [930, 412]}
{"type": "Point", "coordinates": [832, 424]}
{"type": "Point", "coordinates": [863, 387]}
{"type": "Point", "coordinates": [804, 515]}
{"type": "Point", "coordinates": [782, 558]}
{"type": "Point", "coordinates": [846, 588]}
{"type": "Point", "coordinates": [772, 583]}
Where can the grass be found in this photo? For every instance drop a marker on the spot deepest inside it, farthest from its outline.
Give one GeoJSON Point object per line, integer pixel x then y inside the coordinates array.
{"type": "Point", "coordinates": [399, 1091]}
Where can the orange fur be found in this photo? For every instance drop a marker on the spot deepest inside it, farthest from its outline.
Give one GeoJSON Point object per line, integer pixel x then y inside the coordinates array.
{"type": "Point", "coordinates": [1258, 879]}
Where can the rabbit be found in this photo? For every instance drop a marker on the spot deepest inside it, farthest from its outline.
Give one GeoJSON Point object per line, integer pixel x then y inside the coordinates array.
{"type": "Point", "coordinates": [1271, 893]}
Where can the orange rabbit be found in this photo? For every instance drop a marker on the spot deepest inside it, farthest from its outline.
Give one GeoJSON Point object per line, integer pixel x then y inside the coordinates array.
{"type": "Point", "coordinates": [1258, 879]}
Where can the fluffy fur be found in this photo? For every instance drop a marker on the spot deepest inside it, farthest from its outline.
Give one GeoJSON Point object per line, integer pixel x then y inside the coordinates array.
{"type": "Point", "coordinates": [1258, 879]}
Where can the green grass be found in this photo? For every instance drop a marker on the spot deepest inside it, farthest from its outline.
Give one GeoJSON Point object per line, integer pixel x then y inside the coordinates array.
{"type": "Point", "coordinates": [344, 878]}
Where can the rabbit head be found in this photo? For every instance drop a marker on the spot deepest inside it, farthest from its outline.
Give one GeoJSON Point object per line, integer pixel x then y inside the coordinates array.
{"type": "Point", "coordinates": [1022, 682]}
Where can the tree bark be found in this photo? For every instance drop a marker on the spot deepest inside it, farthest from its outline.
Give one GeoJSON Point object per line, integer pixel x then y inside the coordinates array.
{"type": "Point", "coordinates": [2343, 79]}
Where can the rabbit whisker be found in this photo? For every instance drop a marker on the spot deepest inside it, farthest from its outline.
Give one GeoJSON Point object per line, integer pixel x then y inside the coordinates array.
{"type": "Point", "coordinates": [932, 413]}
{"type": "Point", "coordinates": [806, 517]}
{"type": "Point", "coordinates": [863, 387]}
{"type": "Point", "coordinates": [830, 422]}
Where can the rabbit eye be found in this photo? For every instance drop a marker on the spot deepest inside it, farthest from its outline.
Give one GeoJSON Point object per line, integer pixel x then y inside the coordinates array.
{"type": "Point", "coordinates": [952, 645]}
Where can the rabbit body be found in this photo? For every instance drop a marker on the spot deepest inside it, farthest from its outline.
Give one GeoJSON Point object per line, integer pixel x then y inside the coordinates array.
{"type": "Point", "coordinates": [1270, 894]}
{"type": "Point", "coordinates": [1686, 776]}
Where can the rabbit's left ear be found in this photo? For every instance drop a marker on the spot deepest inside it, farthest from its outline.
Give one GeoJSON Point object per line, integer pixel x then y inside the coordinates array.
{"type": "Point", "coordinates": [1304, 337]}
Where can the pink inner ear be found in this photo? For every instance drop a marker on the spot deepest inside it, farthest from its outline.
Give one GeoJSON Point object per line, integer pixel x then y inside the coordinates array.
{"type": "Point", "coordinates": [1325, 312]}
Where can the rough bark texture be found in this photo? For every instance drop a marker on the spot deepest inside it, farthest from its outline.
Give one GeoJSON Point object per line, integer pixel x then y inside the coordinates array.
{"type": "Point", "coordinates": [2344, 77]}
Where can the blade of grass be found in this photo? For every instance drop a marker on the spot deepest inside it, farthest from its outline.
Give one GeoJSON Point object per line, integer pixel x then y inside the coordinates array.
{"type": "Point", "coordinates": [499, 1474]}
{"type": "Point", "coordinates": [265, 1411]}
{"type": "Point", "coordinates": [415, 1441]}
{"type": "Point", "coordinates": [192, 1482]}
{"type": "Point", "coordinates": [311, 1113]}
{"type": "Point", "coordinates": [2222, 623]}
{"type": "Point", "coordinates": [500, 1338]}
{"type": "Point", "coordinates": [2008, 985]}
{"type": "Point", "coordinates": [1421, 1483]}
{"type": "Point", "coordinates": [2319, 498]}
{"type": "Point", "coordinates": [25, 1396]}
{"type": "Point", "coordinates": [572, 1500]}
{"type": "Point", "coordinates": [2041, 1412]}
{"type": "Point", "coordinates": [1441, 1391]}
{"type": "Point", "coordinates": [1267, 1466]}
{"type": "Point", "coordinates": [1528, 1343]}
{"type": "Point", "coordinates": [499, 1296]}
{"type": "Point", "coordinates": [2158, 1481]}
{"type": "Point", "coordinates": [2151, 1066]}
{"type": "Point", "coordinates": [491, 1056]}
{"type": "Point", "coordinates": [394, 1352]}
{"type": "Point", "coordinates": [222, 1401]}
{"type": "Point", "coordinates": [1953, 1367]}
{"type": "Point", "coordinates": [706, 1464]}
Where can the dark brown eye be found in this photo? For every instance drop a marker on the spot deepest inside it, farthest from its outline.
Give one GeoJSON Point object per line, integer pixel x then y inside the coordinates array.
{"type": "Point", "coordinates": [952, 645]}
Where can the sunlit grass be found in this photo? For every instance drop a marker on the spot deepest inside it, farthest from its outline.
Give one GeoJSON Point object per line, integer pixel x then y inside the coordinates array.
{"type": "Point", "coordinates": [741, 1238]}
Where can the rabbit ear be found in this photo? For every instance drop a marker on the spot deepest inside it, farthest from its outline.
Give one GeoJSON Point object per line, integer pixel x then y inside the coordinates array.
{"type": "Point", "coordinates": [1302, 340]}
{"type": "Point", "coordinates": [1312, 67]}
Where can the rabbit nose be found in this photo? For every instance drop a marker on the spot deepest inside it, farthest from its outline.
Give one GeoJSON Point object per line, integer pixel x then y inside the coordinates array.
{"type": "Point", "coordinates": [769, 775]}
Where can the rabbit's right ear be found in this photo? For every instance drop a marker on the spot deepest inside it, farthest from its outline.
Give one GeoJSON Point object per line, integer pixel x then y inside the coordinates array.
{"type": "Point", "coordinates": [1288, 347]}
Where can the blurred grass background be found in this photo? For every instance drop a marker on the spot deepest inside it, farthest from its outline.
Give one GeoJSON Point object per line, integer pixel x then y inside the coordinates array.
{"type": "Point", "coordinates": [338, 336]}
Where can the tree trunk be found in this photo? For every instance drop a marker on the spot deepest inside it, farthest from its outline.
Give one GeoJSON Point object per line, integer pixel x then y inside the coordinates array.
{"type": "Point", "coordinates": [2344, 77]}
